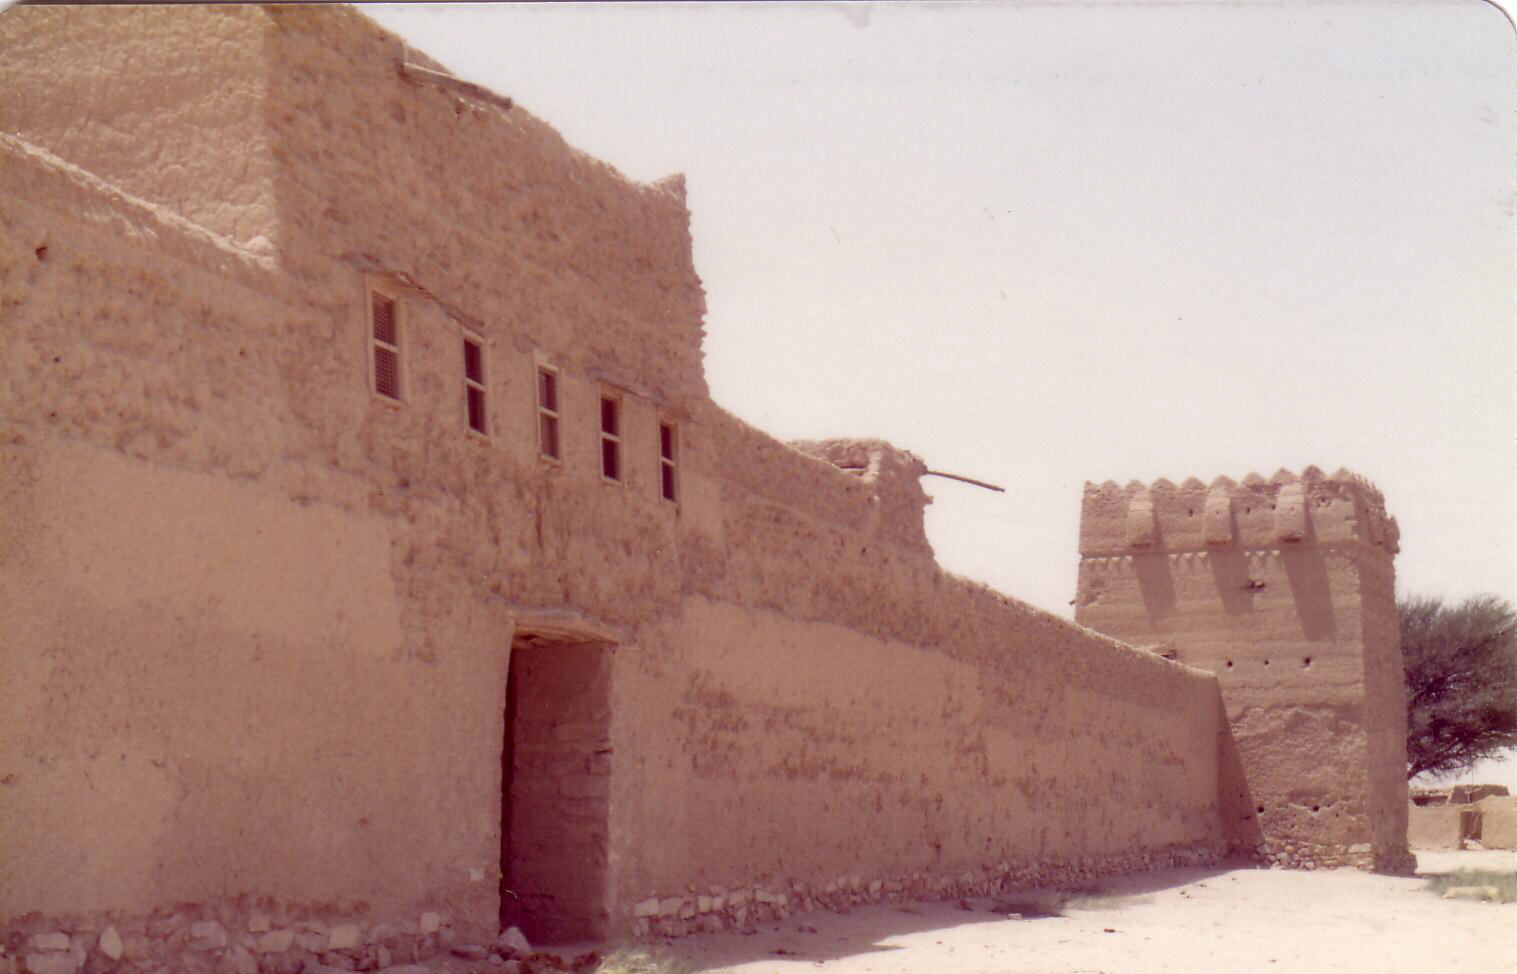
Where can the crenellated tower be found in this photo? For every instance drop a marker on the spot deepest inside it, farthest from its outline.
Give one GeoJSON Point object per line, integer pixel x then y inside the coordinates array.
{"type": "Point", "coordinates": [1285, 589]}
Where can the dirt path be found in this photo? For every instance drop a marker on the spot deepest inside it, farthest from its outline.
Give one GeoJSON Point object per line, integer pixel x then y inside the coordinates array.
{"type": "Point", "coordinates": [1174, 922]}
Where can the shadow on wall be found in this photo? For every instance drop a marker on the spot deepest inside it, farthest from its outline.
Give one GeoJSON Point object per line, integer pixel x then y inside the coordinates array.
{"type": "Point", "coordinates": [1155, 583]}
{"type": "Point", "coordinates": [1305, 571]}
{"type": "Point", "coordinates": [1235, 800]}
{"type": "Point", "coordinates": [1311, 590]}
{"type": "Point", "coordinates": [1229, 572]}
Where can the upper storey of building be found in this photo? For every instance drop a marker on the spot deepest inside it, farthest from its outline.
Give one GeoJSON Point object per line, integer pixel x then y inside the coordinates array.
{"type": "Point", "coordinates": [397, 277]}
{"type": "Point", "coordinates": [307, 134]}
{"type": "Point", "coordinates": [1286, 509]}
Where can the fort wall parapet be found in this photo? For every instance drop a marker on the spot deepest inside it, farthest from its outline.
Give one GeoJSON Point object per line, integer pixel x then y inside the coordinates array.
{"type": "Point", "coordinates": [1254, 513]}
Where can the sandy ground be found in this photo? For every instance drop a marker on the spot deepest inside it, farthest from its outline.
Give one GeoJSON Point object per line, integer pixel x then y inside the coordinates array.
{"type": "Point", "coordinates": [1174, 922]}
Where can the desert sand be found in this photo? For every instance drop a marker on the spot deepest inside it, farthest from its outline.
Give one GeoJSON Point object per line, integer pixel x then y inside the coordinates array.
{"type": "Point", "coordinates": [1339, 921]}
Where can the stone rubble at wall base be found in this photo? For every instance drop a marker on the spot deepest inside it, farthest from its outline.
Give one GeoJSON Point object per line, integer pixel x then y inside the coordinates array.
{"type": "Point", "coordinates": [234, 940]}
{"type": "Point", "coordinates": [229, 937]}
{"type": "Point", "coordinates": [719, 908]}
{"type": "Point", "coordinates": [1287, 854]}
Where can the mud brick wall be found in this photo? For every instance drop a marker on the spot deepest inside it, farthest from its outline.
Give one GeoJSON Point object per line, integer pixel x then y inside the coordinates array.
{"type": "Point", "coordinates": [804, 763]}
{"type": "Point", "coordinates": [259, 621]}
{"type": "Point", "coordinates": [222, 675]}
{"type": "Point", "coordinates": [293, 131]}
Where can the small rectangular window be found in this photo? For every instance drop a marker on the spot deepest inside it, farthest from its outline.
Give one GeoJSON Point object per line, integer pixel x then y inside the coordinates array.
{"type": "Point", "coordinates": [547, 412]}
{"type": "Point", "coordinates": [474, 385]}
{"type": "Point", "coordinates": [667, 438]}
{"type": "Point", "coordinates": [610, 437]}
{"type": "Point", "coordinates": [386, 345]}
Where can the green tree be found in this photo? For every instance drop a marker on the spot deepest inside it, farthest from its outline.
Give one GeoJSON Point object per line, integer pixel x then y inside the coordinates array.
{"type": "Point", "coordinates": [1461, 681]}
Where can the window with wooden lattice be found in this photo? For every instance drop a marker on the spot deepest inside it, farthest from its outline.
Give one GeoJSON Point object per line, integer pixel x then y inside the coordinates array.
{"type": "Point", "coordinates": [384, 322]}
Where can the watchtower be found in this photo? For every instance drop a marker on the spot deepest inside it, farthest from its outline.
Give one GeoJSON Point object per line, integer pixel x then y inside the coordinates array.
{"type": "Point", "coordinates": [1285, 589]}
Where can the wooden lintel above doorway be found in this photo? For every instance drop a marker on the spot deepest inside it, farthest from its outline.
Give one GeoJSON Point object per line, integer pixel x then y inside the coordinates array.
{"type": "Point", "coordinates": [561, 626]}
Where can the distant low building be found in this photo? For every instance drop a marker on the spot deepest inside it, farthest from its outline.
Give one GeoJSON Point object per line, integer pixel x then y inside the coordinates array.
{"type": "Point", "coordinates": [1461, 816]}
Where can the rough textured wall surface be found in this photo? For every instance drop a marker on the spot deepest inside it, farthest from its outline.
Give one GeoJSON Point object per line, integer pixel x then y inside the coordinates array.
{"type": "Point", "coordinates": [313, 669]}
{"type": "Point", "coordinates": [220, 671]}
{"type": "Point", "coordinates": [897, 501]}
{"type": "Point", "coordinates": [198, 83]}
{"type": "Point", "coordinates": [1285, 590]}
{"type": "Point", "coordinates": [295, 131]}
{"type": "Point", "coordinates": [488, 208]}
{"type": "Point", "coordinates": [797, 760]}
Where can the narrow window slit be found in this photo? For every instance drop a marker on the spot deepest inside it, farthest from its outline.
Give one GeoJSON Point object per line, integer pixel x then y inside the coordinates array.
{"type": "Point", "coordinates": [547, 413]}
{"type": "Point", "coordinates": [610, 438]}
{"type": "Point", "coordinates": [474, 385]}
{"type": "Point", "coordinates": [386, 344]}
{"type": "Point", "coordinates": [666, 461]}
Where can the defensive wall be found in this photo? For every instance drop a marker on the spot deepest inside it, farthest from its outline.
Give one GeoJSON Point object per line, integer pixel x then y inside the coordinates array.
{"type": "Point", "coordinates": [1284, 588]}
{"type": "Point", "coordinates": [237, 667]}
{"type": "Point", "coordinates": [303, 628]}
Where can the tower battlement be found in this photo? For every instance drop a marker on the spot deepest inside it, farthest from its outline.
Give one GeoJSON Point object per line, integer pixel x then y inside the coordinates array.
{"type": "Point", "coordinates": [1287, 509]}
{"type": "Point", "coordinates": [1285, 589]}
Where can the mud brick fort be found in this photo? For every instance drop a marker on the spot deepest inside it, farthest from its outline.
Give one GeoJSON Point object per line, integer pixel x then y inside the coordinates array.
{"type": "Point", "coordinates": [374, 562]}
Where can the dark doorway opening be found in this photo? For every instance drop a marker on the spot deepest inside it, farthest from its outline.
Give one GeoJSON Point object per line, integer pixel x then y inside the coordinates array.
{"type": "Point", "coordinates": [556, 785]}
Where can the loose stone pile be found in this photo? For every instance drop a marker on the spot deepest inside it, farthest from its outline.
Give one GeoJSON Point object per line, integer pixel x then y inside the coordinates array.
{"type": "Point", "coordinates": [209, 940]}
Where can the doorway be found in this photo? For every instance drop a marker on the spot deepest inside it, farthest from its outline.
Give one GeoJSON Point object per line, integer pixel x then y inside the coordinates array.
{"type": "Point", "coordinates": [555, 789]}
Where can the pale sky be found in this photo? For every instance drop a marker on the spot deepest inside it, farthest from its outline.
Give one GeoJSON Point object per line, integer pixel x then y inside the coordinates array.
{"type": "Point", "coordinates": [1042, 244]}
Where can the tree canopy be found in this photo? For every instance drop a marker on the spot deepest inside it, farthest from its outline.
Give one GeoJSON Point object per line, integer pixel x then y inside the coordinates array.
{"type": "Point", "coordinates": [1461, 681]}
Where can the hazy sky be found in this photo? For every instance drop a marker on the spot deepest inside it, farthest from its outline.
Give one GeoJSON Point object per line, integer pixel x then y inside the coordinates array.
{"type": "Point", "coordinates": [1043, 244]}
